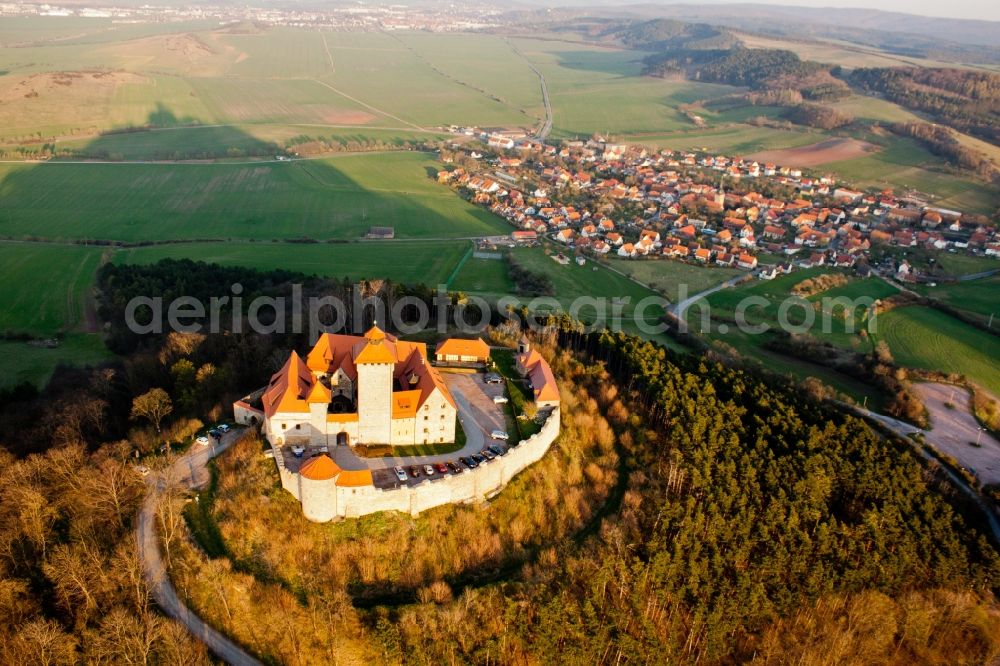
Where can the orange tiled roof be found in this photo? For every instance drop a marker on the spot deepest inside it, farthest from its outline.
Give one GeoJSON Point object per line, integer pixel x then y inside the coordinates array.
{"type": "Point", "coordinates": [288, 388]}
{"type": "Point", "coordinates": [405, 403]}
{"type": "Point", "coordinates": [460, 347]}
{"type": "Point", "coordinates": [342, 418]}
{"type": "Point", "coordinates": [320, 468]}
{"type": "Point", "coordinates": [353, 478]}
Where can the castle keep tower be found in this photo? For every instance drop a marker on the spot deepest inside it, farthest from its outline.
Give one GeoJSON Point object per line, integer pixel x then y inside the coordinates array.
{"type": "Point", "coordinates": [375, 362]}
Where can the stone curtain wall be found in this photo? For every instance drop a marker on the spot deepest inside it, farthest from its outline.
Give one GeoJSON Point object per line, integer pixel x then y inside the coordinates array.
{"type": "Point", "coordinates": [472, 485]}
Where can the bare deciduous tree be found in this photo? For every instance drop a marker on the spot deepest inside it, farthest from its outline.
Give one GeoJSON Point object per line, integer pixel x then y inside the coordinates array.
{"type": "Point", "coordinates": [153, 405]}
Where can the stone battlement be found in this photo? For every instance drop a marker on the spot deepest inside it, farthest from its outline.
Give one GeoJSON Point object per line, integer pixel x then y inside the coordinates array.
{"type": "Point", "coordinates": [327, 499]}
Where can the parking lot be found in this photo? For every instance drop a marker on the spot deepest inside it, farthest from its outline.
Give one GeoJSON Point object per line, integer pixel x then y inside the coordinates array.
{"type": "Point", "coordinates": [479, 395]}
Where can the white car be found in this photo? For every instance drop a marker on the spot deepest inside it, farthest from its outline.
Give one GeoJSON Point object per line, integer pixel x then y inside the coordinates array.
{"type": "Point", "coordinates": [223, 428]}
{"type": "Point", "coordinates": [499, 434]}
{"type": "Point", "coordinates": [500, 399]}
{"type": "Point", "coordinates": [428, 470]}
{"type": "Point", "coordinates": [142, 470]}
{"type": "Point", "coordinates": [203, 440]}
{"type": "Point", "coordinates": [400, 473]}
{"type": "Point", "coordinates": [298, 450]}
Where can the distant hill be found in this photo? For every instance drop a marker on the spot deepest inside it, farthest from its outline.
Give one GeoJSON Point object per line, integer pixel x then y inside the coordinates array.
{"type": "Point", "coordinates": [957, 40]}
{"type": "Point", "coordinates": [663, 34]}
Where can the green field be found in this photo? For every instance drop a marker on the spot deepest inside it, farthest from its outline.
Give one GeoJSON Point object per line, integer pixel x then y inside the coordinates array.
{"type": "Point", "coordinates": [232, 141]}
{"type": "Point", "coordinates": [667, 276]}
{"type": "Point", "coordinates": [338, 197]}
{"type": "Point", "coordinates": [46, 286]}
{"type": "Point", "coordinates": [736, 139]}
{"type": "Point", "coordinates": [572, 281]}
{"type": "Point", "coordinates": [921, 337]}
{"type": "Point", "coordinates": [427, 262]}
{"type": "Point", "coordinates": [723, 305]}
{"type": "Point", "coordinates": [483, 276]}
{"type": "Point", "coordinates": [980, 297]}
{"type": "Point", "coordinates": [22, 362]}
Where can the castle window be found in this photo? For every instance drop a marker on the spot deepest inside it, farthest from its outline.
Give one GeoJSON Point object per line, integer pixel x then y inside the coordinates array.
{"type": "Point", "coordinates": [284, 426]}
{"type": "Point", "coordinates": [298, 426]}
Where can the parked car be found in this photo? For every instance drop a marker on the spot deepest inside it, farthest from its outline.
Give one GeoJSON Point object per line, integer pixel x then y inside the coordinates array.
{"type": "Point", "coordinates": [441, 468]}
{"type": "Point", "coordinates": [203, 440]}
{"type": "Point", "coordinates": [499, 434]}
{"type": "Point", "coordinates": [500, 399]}
{"type": "Point", "coordinates": [455, 469]}
{"type": "Point", "coordinates": [469, 462]}
{"type": "Point", "coordinates": [415, 471]}
{"type": "Point", "coordinates": [496, 449]}
{"type": "Point", "coordinates": [486, 453]}
{"type": "Point", "coordinates": [493, 378]}
{"type": "Point", "coordinates": [223, 428]}
{"type": "Point", "coordinates": [428, 470]}
{"type": "Point", "coordinates": [142, 470]}
{"type": "Point", "coordinates": [215, 434]}
{"type": "Point", "coordinates": [400, 473]}
{"type": "Point", "coordinates": [298, 450]}
{"type": "Point", "coordinates": [478, 458]}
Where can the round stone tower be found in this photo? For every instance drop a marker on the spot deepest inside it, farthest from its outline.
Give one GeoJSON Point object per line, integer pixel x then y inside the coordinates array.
{"type": "Point", "coordinates": [318, 488]}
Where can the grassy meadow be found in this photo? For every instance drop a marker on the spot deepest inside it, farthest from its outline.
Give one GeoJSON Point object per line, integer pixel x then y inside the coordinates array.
{"type": "Point", "coordinates": [667, 276]}
{"type": "Point", "coordinates": [337, 197]}
{"type": "Point", "coordinates": [977, 297]}
{"type": "Point", "coordinates": [46, 294]}
{"type": "Point", "coordinates": [921, 337]}
{"type": "Point", "coordinates": [21, 362]}
{"type": "Point", "coordinates": [429, 262]}
{"type": "Point", "coordinates": [46, 286]}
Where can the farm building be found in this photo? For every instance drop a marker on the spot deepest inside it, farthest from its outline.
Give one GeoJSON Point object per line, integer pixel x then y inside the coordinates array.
{"type": "Point", "coordinates": [457, 350]}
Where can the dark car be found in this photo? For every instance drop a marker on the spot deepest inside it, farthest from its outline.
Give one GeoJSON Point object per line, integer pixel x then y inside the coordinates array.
{"type": "Point", "coordinates": [486, 453]}
{"type": "Point", "coordinates": [469, 462]}
{"type": "Point", "coordinates": [414, 471]}
{"type": "Point", "coordinates": [478, 458]}
{"type": "Point", "coordinates": [215, 434]}
{"type": "Point", "coordinates": [441, 468]}
{"type": "Point", "coordinates": [495, 449]}
{"type": "Point", "coordinates": [455, 469]}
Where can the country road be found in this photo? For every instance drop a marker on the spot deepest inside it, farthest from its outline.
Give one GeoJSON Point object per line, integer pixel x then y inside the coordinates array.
{"type": "Point", "coordinates": [543, 131]}
{"type": "Point", "coordinates": [189, 470]}
{"type": "Point", "coordinates": [678, 309]}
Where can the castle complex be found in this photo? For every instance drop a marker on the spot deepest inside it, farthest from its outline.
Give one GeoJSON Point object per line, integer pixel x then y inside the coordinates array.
{"type": "Point", "coordinates": [370, 389]}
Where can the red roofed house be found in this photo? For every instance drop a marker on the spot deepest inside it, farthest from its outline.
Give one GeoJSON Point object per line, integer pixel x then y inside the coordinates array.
{"type": "Point", "coordinates": [457, 350]}
{"type": "Point", "coordinates": [543, 383]}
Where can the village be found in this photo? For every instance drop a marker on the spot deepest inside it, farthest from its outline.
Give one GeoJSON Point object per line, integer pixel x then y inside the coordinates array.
{"type": "Point", "coordinates": [598, 198]}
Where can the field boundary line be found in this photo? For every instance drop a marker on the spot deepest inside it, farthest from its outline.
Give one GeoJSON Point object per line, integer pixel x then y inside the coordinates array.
{"type": "Point", "coordinates": [366, 105]}
{"type": "Point", "coordinates": [326, 47]}
{"type": "Point", "coordinates": [458, 267]}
